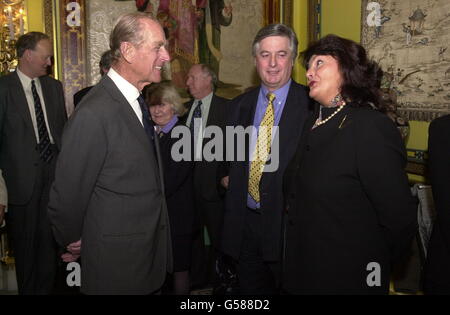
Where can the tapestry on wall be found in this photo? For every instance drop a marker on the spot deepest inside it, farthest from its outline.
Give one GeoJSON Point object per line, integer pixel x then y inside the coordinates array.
{"type": "Point", "coordinates": [233, 61]}
{"type": "Point", "coordinates": [410, 40]}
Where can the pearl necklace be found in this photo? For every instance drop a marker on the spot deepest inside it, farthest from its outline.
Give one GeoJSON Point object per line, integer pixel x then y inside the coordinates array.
{"type": "Point", "coordinates": [319, 120]}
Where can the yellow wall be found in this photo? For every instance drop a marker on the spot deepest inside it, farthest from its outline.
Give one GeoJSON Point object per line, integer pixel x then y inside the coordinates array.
{"type": "Point", "coordinates": [341, 17]}
{"type": "Point", "coordinates": [35, 15]}
{"type": "Point", "coordinates": [300, 16]}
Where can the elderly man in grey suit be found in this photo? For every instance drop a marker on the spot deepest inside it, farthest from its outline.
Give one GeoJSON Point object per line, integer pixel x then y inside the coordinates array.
{"type": "Point", "coordinates": [32, 118]}
{"type": "Point", "coordinates": [108, 189]}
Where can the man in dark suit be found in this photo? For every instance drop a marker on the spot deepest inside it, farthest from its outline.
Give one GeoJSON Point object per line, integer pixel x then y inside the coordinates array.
{"type": "Point", "coordinates": [206, 109]}
{"type": "Point", "coordinates": [108, 188]}
{"type": "Point", "coordinates": [32, 117]}
{"type": "Point", "coordinates": [253, 220]}
{"type": "Point", "coordinates": [437, 271]}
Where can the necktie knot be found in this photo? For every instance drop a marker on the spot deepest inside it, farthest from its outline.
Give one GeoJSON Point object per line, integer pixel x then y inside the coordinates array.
{"type": "Point", "coordinates": [270, 97]}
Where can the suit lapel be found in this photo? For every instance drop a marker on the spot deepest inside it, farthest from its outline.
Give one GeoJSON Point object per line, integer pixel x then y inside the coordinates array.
{"type": "Point", "coordinates": [293, 118]}
{"type": "Point", "coordinates": [20, 101]}
{"type": "Point", "coordinates": [247, 111]}
{"type": "Point", "coordinates": [49, 102]}
{"type": "Point", "coordinates": [248, 107]}
{"type": "Point", "coordinates": [127, 113]}
{"type": "Point", "coordinates": [213, 112]}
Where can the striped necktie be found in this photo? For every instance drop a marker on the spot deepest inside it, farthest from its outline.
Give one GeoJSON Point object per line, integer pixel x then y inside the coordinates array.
{"type": "Point", "coordinates": [262, 149]}
{"type": "Point", "coordinates": [45, 150]}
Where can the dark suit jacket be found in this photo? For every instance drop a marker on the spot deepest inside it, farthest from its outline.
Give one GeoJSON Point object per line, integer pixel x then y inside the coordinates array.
{"type": "Point", "coordinates": [77, 97]}
{"type": "Point", "coordinates": [349, 204]}
{"type": "Point", "coordinates": [437, 273]}
{"type": "Point", "coordinates": [179, 188]}
{"type": "Point", "coordinates": [19, 156]}
{"type": "Point", "coordinates": [108, 191]}
{"type": "Point", "coordinates": [242, 111]}
{"type": "Point", "coordinates": [205, 173]}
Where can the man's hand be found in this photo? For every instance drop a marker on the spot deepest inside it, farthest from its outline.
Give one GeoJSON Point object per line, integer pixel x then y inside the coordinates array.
{"type": "Point", "coordinates": [224, 181]}
{"type": "Point", "coordinates": [2, 214]}
{"type": "Point", "coordinates": [74, 248]}
{"type": "Point", "coordinates": [68, 257]}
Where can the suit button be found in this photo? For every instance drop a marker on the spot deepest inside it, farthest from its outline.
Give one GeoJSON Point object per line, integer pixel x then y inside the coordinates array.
{"type": "Point", "coordinates": [36, 163]}
{"type": "Point", "coordinates": [291, 222]}
{"type": "Point", "coordinates": [162, 227]}
{"type": "Point", "coordinates": [308, 147]}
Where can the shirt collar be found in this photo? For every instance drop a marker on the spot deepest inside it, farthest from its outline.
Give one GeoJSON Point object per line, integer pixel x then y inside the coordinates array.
{"type": "Point", "coordinates": [169, 125]}
{"type": "Point", "coordinates": [206, 100]}
{"type": "Point", "coordinates": [26, 80]}
{"type": "Point", "coordinates": [280, 94]}
{"type": "Point", "coordinates": [128, 90]}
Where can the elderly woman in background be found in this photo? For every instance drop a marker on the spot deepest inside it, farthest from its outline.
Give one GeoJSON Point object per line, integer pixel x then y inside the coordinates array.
{"type": "Point", "coordinates": [166, 108]}
{"type": "Point", "coordinates": [350, 212]}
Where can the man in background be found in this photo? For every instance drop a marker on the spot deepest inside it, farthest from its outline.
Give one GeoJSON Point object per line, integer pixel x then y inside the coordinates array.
{"type": "Point", "coordinates": [206, 109]}
{"type": "Point", "coordinates": [32, 117]}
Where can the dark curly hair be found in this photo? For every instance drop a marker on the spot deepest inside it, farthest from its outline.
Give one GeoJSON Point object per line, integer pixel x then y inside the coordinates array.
{"type": "Point", "coordinates": [361, 76]}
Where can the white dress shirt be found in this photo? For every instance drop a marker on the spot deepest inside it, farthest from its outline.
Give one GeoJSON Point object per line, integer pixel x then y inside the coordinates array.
{"type": "Point", "coordinates": [129, 91]}
{"type": "Point", "coordinates": [26, 84]}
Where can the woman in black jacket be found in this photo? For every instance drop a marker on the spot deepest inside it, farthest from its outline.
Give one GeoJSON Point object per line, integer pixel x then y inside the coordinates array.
{"type": "Point", "coordinates": [167, 110]}
{"type": "Point", "coordinates": [350, 212]}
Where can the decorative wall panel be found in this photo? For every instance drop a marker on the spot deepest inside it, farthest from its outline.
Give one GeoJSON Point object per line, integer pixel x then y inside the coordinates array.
{"type": "Point", "coordinates": [73, 48]}
{"type": "Point", "coordinates": [410, 40]}
{"type": "Point", "coordinates": [101, 17]}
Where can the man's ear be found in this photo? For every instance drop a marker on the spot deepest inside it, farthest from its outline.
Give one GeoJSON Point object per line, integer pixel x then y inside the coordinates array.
{"type": "Point", "coordinates": [128, 51]}
{"type": "Point", "coordinates": [28, 55]}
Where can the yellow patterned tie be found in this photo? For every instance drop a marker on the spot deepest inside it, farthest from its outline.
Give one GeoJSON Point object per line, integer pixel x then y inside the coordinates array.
{"type": "Point", "coordinates": [262, 150]}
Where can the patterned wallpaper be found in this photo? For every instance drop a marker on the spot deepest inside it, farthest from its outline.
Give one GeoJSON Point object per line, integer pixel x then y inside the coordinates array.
{"type": "Point", "coordinates": [101, 16]}
{"type": "Point", "coordinates": [237, 66]}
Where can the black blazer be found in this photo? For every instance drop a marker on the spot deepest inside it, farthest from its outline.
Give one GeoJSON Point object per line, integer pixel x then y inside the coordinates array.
{"type": "Point", "coordinates": [349, 204]}
{"type": "Point", "coordinates": [179, 188]}
{"type": "Point", "coordinates": [18, 154]}
{"type": "Point", "coordinates": [437, 271]}
{"type": "Point", "coordinates": [109, 192]}
{"type": "Point", "coordinates": [205, 173]}
{"type": "Point", "coordinates": [242, 111]}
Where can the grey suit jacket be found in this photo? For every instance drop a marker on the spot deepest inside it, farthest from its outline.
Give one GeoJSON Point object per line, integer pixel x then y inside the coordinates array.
{"type": "Point", "coordinates": [19, 156]}
{"type": "Point", "coordinates": [108, 192]}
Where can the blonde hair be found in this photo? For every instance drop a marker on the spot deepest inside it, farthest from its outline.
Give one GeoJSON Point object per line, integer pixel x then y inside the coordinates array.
{"type": "Point", "coordinates": [157, 93]}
